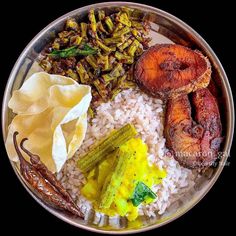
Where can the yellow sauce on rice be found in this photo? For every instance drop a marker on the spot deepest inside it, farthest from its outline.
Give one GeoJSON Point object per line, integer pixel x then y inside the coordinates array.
{"type": "Point", "coordinates": [138, 169]}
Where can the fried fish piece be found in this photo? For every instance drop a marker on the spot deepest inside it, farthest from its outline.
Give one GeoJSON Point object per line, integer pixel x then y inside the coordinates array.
{"type": "Point", "coordinates": [169, 70]}
{"type": "Point", "coordinates": [195, 142]}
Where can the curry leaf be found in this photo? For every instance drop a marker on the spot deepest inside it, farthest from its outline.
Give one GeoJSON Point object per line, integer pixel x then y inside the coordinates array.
{"type": "Point", "coordinates": [73, 51]}
{"type": "Point", "coordinates": [141, 193]}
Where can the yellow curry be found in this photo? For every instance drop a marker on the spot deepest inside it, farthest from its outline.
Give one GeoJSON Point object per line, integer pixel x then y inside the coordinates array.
{"type": "Point", "coordinates": [138, 174]}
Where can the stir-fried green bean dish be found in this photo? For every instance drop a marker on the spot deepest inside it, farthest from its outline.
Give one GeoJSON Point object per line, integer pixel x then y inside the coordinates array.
{"type": "Point", "coordinates": [100, 51]}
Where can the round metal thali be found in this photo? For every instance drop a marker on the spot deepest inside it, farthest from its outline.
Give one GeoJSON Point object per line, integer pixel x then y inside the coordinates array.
{"type": "Point", "coordinates": [165, 28]}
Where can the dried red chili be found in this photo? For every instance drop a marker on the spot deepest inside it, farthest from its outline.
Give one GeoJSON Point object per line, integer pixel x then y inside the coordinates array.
{"type": "Point", "coordinates": [43, 181]}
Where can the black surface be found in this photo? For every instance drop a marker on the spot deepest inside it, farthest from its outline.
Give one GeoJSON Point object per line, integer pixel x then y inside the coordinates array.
{"type": "Point", "coordinates": [214, 22]}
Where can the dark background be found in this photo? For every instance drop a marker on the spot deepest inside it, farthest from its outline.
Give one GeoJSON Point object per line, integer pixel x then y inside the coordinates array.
{"type": "Point", "coordinates": [20, 22]}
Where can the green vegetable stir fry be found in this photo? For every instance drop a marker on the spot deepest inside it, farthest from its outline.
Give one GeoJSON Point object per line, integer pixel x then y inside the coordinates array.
{"type": "Point", "coordinates": [99, 51]}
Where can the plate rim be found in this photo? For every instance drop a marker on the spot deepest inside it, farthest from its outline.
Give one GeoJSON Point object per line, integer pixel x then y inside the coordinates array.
{"type": "Point", "coordinates": [224, 79]}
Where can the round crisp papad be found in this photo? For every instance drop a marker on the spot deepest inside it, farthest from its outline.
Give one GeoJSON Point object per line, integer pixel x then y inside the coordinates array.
{"type": "Point", "coordinates": [51, 111]}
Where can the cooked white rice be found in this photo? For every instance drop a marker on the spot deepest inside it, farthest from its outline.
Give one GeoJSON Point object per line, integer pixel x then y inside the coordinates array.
{"type": "Point", "coordinates": [146, 114]}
